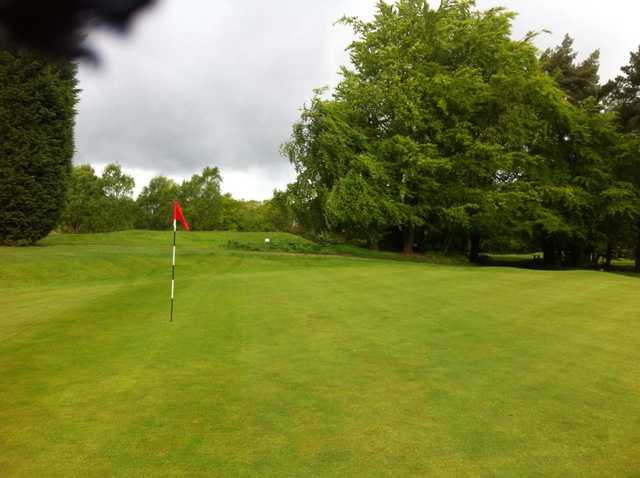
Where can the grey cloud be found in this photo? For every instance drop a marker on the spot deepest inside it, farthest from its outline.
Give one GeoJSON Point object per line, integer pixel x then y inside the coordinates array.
{"type": "Point", "coordinates": [205, 82]}
{"type": "Point", "coordinates": [209, 83]}
{"type": "Point", "coordinates": [610, 26]}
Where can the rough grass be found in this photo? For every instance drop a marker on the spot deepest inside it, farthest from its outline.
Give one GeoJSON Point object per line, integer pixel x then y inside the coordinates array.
{"type": "Point", "coordinates": [288, 365]}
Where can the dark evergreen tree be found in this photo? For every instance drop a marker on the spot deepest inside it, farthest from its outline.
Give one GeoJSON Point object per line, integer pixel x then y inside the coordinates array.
{"type": "Point", "coordinates": [623, 97]}
{"type": "Point", "coordinates": [579, 80]}
{"type": "Point", "coordinates": [37, 117]}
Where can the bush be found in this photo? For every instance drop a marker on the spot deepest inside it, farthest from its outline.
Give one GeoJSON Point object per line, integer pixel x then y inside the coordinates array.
{"type": "Point", "coordinates": [278, 246]}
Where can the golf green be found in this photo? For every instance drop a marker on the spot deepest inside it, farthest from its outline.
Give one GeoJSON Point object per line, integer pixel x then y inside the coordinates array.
{"type": "Point", "coordinates": [300, 365]}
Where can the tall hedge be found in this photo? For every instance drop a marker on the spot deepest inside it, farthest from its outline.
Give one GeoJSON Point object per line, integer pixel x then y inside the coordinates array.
{"type": "Point", "coordinates": [37, 118]}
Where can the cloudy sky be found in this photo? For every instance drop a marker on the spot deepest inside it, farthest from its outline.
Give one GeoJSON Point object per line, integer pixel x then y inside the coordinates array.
{"type": "Point", "coordinates": [220, 82]}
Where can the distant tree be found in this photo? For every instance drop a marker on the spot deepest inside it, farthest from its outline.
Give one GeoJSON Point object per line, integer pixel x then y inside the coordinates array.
{"type": "Point", "coordinates": [120, 207]}
{"type": "Point", "coordinates": [201, 199]}
{"type": "Point", "coordinates": [99, 204]}
{"type": "Point", "coordinates": [84, 210]}
{"type": "Point", "coordinates": [37, 116]}
{"type": "Point", "coordinates": [116, 184]}
{"type": "Point", "coordinates": [207, 209]}
{"type": "Point", "coordinates": [580, 80]}
{"type": "Point", "coordinates": [155, 204]}
{"type": "Point", "coordinates": [245, 216]}
{"type": "Point", "coordinates": [279, 212]}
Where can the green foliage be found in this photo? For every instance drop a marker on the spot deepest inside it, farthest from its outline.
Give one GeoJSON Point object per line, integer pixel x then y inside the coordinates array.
{"type": "Point", "coordinates": [276, 245]}
{"type": "Point", "coordinates": [579, 80]}
{"type": "Point", "coordinates": [99, 204]}
{"type": "Point", "coordinates": [358, 208]}
{"type": "Point", "coordinates": [155, 204]}
{"type": "Point", "coordinates": [37, 116]}
{"type": "Point", "coordinates": [244, 216]}
{"type": "Point", "coordinates": [623, 95]}
{"type": "Point", "coordinates": [85, 196]}
{"type": "Point", "coordinates": [447, 126]}
{"type": "Point", "coordinates": [207, 209]}
{"type": "Point", "coordinates": [202, 201]}
{"type": "Point", "coordinates": [278, 212]}
{"type": "Point", "coordinates": [441, 114]}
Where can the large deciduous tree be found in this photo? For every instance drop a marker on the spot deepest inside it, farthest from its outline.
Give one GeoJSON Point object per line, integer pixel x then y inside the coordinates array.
{"type": "Point", "coordinates": [37, 116]}
{"type": "Point", "coordinates": [434, 126]}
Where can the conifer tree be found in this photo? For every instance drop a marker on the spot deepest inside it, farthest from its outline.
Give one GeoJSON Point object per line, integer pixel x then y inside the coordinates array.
{"type": "Point", "coordinates": [37, 117]}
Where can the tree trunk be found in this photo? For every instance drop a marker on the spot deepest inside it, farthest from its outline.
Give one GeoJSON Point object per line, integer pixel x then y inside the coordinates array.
{"type": "Point", "coordinates": [609, 256]}
{"type": "Point", "coordinates": [474, 248]}
{"type": "Point", "coordinates": [576, 258]}
{"type": "Point", "coordinates": [408, 233]}
{"type": "Point", "coordinates": [447, 245]}
{"type": "Point", "coordinates": [549, 253]}
{"type": "Point", "coordinates": [374, 245]}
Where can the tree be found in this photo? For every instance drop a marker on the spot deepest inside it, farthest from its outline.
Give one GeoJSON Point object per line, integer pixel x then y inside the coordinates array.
{"type": "Point", "coordinates": [117, 185]}
{"type": "Point", "coordinates": [322, 144]}
{"type": "Point", "coordinates": [99, 204]}
{"type": "Point", "coordinates": [37, 118]}
{"type": "Point", "coordinates": [201, 199]}
{"type": "Point", "coordinates": [434, 127]}
{"type": "Point", "coordinates": [580, 80]}
{"type": "Point", "coordinates": [623, 97]}
{"type": "Point", "coordinates": [245, 216]}
{"type": "Point", "coordinates": [120, 206]}
{"type": "Point", "coordinates": [359, 210]}
{"type": "Point", "coordinates": [279, 212]}
{"type": "Point", "coordinates": [84, 210]}
{"type": "Point", "coordinates": [155, 204]}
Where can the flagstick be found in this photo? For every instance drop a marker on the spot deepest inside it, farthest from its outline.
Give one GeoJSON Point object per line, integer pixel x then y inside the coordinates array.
{"type": "Point", "coordinates": [173, 270]}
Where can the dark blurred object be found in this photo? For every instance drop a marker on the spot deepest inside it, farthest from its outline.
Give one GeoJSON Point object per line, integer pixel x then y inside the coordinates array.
{"type": "Point", "coordinates": [58, 27]}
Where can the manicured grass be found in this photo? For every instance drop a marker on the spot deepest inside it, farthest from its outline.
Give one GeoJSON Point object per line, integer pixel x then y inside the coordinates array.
{"type": "Point", "coordinates": [290, 365]}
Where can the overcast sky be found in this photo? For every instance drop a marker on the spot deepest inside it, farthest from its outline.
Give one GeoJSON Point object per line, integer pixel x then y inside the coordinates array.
{"type": "Point", "coordinates": [220, 82]}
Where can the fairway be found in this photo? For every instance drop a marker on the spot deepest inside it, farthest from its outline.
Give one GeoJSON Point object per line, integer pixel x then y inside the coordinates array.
{"type": "Point", "coordinates": [301, 365]}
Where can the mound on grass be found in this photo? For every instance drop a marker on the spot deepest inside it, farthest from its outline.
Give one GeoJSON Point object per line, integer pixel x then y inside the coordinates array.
{"type": "Point", "coordinates": [304, 365]}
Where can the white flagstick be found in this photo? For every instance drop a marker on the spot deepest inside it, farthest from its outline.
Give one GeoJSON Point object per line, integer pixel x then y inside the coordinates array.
{"type": "Point", "coordinates": [173, 269]}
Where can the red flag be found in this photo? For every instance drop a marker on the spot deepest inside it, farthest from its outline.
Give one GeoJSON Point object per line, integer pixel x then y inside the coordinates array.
{"type": "Point", "coordinates": [178, 215]}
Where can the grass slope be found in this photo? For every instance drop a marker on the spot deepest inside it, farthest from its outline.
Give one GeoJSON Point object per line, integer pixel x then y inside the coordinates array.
{"type": "Point", "coordinates": [283, 365]}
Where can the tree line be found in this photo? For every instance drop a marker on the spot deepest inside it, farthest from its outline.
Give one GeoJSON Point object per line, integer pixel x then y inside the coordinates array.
{"type": "Point", "coordinates": [445, 133]}
{"type": "Point", "coordinates": [105, 203]}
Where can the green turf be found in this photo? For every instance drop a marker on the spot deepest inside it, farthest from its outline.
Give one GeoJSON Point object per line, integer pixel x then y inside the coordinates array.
{"type": "Point", "coordinates": [287, 365]}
